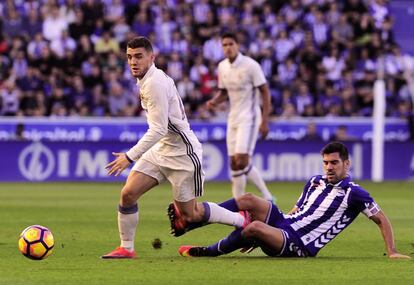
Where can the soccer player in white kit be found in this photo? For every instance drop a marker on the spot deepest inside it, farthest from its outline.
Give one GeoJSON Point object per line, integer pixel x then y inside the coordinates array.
{"type": "Point", "coordinates": [239, 80]}
{"type": "Point", "coordinates": [169, 150]}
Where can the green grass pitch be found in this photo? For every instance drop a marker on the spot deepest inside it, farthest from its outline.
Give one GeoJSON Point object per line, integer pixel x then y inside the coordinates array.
{"type": "Point", "coordinates": [83, 220]}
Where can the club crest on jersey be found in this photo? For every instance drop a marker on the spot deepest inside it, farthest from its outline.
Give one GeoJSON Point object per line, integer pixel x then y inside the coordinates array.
{"type": "Point", "coordinates": [144, 101]}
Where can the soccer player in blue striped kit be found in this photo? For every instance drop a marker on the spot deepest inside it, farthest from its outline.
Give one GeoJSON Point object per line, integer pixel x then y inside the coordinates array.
{"type": "Point", "coordinates": [328, 204]}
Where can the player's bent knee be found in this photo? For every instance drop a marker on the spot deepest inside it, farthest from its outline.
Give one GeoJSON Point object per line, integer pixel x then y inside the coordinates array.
{"type": "Point", "coordinates": [233, 165]}
{"type": "Point", "coordinates": [246, 201]}
{"type": "Point", "coordinates": [128, 197]}
{"type": "Point", "coordinates": [253, 230]}
{"type": "Point", "coordinates": [242, 164]}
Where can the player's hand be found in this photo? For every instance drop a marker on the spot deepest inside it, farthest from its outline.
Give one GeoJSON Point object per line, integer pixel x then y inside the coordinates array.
{"type": "Point", "coordinates": [264, 129]}
{"type": "Point", "coordinates": [399, 256]}
{"type": "Point", "coordinates": [211, 104]}
{"type": "Point", "coordinates": [118, 164]}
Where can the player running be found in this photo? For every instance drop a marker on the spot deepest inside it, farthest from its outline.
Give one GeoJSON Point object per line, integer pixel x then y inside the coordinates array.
{"type": "Point", "coordinates": [169, 150]}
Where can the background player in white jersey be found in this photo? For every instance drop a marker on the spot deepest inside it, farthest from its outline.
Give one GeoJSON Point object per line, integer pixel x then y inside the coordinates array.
{"type": "Point", "coordinates": [169, 150]}
{"type": "Point", "coordinates": [241, 79]}
{"type": "Point", "coordinates": [328, 204]}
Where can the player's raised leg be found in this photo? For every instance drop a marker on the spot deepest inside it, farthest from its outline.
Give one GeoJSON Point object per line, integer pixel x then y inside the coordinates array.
{"type": "Point", "coordinates": [254, 234]}
{"type": "Point", "coordinates": [257, 207]}
{"type": "Point", "coordinates": [186, 213]}
{"type": "Point", "coordinates": [231, 212]}
{"type": "Point", "coordinates": [185, 216]}
{"type": "Point", "coordinates": [136, 185]}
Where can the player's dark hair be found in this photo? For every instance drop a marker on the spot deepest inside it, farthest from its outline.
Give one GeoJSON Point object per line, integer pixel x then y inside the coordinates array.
{"type": "Point", "coordinates": [140, 42]}
{"type": "Point", "coordinates": [338, 147]}
{"type": "Point", "coordinates": [230, 35]}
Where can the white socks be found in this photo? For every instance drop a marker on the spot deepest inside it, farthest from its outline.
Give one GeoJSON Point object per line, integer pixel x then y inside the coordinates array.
{"type": "Point", "coordinates": [238, 182]}
{"type": "Point", "coordinates": [254, 177]}
{"type": "Point", "coordinates": [127, 225]}
{"type": "Point", "coordinates": [223, 216]}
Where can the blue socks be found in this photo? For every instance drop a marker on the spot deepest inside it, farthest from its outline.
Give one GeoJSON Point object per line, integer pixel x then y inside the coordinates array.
{"type": "Point", "coordinates": [203, 222]}
{"type": "Point", "coordinates": [230, 205]}
{"type": "Point", "coordinates": [229, 244]}
{"type": "Point", "coordinates": [128, 210]}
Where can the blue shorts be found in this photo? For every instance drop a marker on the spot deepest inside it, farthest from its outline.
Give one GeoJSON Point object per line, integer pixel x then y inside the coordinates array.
{"type": "Point", "coordinates": [292, 245]}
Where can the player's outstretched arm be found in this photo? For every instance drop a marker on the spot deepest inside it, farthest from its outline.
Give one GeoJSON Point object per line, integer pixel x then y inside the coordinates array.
{"type": "Point", "coordinates": [266, 103]}
{"type": "Point", "coordinates": [220, 97]}
{"type": "Point", "coordinates": [387, 234]}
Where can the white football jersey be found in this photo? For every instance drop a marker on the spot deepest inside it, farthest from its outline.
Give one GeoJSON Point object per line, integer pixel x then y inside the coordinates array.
{"type": "Point", "coordinates": [169, 132]}
{"type": "Point", "coordinates": [241, 79]}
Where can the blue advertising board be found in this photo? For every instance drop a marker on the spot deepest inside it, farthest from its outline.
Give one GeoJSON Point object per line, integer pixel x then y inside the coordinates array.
{"type": "Point", "coordinates": [277, 161]}
{"type": "Point", "coordinates": [132, 129]}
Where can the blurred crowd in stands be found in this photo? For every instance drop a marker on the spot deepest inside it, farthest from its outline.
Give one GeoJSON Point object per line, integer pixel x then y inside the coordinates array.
{"type": "Point", "coordinates": [321, 57]}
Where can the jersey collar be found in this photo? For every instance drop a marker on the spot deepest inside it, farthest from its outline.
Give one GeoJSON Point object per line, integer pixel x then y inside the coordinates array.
{"type": "Point", "coordinates": [237, 61]}
{"type": "Point", "coordinates": [148, 74]}
{"type": "Point", "coordinates": [342, 184]}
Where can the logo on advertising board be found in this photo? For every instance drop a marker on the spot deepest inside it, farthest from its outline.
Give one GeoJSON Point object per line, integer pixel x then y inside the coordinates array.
{"type": "Point", "coordinates": [36, 162]}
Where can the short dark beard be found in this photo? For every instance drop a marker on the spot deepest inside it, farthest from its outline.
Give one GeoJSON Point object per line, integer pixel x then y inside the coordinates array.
{"type": "Point", "coordinates": [232, 59]}
{"type": "Point", "coordinates": [336, 180]}
{"type": "Point", "coordinates": [140, 77]}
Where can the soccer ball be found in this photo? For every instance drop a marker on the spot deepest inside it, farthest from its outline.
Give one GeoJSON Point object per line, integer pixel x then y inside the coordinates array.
{"type": "Point", "coordinates": [36, 242]}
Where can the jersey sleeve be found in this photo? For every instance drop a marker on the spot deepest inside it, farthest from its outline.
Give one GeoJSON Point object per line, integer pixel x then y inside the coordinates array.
{"type": "Point", "coordinates": [157, 118]}
{"type": "Point", "coordinates": [304, 192]}
{"type": "Point", "coordinates": [363, 202]}
{"type": "Point", "coordinates": [258, 76]}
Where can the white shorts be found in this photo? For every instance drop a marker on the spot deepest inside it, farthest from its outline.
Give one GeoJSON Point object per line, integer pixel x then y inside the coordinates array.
{"type": "Point", "coordinates": [241, 138]}
{"type": "Point", "coordinates": [184, 172]}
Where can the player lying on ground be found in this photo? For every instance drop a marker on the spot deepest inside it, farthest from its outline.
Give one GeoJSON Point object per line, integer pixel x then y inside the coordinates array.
{"type": "Point", "coordinates": [326, 207]}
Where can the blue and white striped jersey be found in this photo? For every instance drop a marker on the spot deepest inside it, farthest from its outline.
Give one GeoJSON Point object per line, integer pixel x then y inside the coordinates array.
{"type": "Point", "coordinates": [325, 209]}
